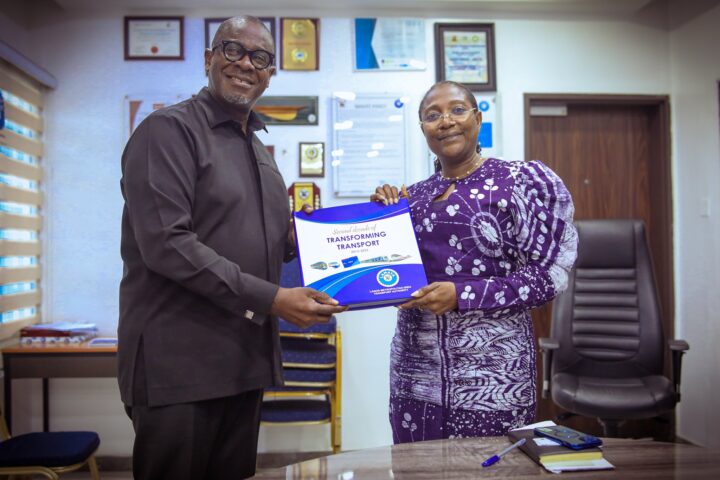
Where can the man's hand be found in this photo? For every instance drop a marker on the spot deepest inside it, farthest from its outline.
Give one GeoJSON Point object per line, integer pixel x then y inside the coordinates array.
{"type": "Point", "coordinates": [438, 298]}
{"type": "Point", "coordinates": [304, 306]}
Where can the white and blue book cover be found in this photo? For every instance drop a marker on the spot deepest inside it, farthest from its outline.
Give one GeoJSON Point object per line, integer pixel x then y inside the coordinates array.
{"type": "Point", "coordinates": [363, 255]}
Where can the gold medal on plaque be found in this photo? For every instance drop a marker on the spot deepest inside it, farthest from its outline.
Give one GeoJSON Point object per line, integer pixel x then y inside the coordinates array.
{"type": "Point", "coordinates": [299, 43]}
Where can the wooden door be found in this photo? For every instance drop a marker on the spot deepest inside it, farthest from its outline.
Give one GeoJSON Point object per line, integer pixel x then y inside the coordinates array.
{"type": "Point", "coordinates": [612, 152]}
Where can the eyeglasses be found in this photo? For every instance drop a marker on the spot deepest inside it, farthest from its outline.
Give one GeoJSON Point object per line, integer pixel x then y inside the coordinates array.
{"type": "Point", "coordinates": [457, 114]}
{"type": "Point", "coordinates": [234, 52]}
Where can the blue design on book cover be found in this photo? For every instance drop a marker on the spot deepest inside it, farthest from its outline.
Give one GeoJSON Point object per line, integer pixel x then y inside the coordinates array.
{"type": "Point", "coordinates": [364, 255]}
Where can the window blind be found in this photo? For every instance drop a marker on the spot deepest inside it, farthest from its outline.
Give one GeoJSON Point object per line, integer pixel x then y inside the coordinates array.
{"type": "Point", "coordinates": [21, 199]}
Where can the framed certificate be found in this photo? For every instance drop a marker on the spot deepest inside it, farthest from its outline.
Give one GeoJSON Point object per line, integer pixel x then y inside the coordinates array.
{"type": "Point", "coordinates": [299, 44]}
{"type": "Point", "coordinates": [465, 53]}
{"type": "Point", "coordinates": [312, 159]}
{"type": "Point", "coordinates": [154, 38]}
{"type": "Point", "coordinates": [212, 24]}
{"type": "Point", "coordinates": [389, 44]}
{"type": "Point", "coordinates": [211, 27]}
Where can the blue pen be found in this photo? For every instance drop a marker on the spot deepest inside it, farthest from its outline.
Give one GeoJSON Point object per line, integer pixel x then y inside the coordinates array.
{"type": "Point", "coordinates": [494, 459]}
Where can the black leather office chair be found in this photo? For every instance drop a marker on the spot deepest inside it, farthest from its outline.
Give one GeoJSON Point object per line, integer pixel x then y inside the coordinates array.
{"type": "Point", "coordinates": [605, 357]}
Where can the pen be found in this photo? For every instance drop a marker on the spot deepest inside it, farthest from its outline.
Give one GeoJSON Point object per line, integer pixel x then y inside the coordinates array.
{"type": "Point", "coordinates": [494, 459]}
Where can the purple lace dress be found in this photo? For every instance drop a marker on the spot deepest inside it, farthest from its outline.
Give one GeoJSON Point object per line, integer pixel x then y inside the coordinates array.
{"type": "Point", "coordinates": [504, 237]}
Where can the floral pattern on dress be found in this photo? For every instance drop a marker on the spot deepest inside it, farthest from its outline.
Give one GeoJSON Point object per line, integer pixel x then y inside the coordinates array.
{"type": "Point", "coordinates": [505, 238]}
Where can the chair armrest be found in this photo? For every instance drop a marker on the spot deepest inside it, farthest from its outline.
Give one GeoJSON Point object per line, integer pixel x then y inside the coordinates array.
{"type": "Point", "coordinates": [548, 343]}
{"type": "Point", "coordinates": [678, 348]}
{"type": "Point", "coordinates": [678, 345]}
{"type": "Point", "coordinates": [547, 346]}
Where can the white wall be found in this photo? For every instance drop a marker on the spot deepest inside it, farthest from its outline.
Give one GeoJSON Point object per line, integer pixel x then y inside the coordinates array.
{"type": "Point", "coordinates": [84, 138]}
{"type": "Point", "coordinates": [696, 150]}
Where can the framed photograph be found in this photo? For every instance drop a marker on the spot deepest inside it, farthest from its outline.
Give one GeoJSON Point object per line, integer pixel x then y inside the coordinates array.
{"type": "Point", "coordinates": [465, 53]}
{"type": "Point", "coordinates": [284, 110]}
{"type": "Point", "coordinates": [154, 38]}
{"type": "Point", "coordinates": [312, 159]}
{"type": "Point", "coordinates": [299, 44]}
{"type": "Point", "coordinates": [212, 24]}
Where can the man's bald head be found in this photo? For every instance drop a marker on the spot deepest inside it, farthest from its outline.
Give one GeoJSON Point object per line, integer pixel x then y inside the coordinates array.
{"type": "Point", "coordinates": [236, 23]}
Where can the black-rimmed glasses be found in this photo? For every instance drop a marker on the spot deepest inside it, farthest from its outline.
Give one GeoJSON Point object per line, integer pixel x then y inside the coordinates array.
{"type": "Point", "coordinates": [233, 52]}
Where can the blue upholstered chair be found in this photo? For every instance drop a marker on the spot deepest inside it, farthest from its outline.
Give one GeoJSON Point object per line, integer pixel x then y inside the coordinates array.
{"type": "Point", "coordinates": [47, 453]}
{"type": "Point", "coordinates": [312, 371]}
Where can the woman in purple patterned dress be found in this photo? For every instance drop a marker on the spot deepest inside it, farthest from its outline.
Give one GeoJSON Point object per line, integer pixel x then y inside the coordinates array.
{"type": "Point", "coordinates": [496, 238]}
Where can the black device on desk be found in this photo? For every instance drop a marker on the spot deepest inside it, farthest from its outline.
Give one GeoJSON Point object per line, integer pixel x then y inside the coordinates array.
{"type": "Point", "coordinates": [568, 437]}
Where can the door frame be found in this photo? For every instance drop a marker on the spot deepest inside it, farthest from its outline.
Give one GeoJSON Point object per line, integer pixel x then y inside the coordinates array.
{"type": "Point", "coordinates": [660, 178]}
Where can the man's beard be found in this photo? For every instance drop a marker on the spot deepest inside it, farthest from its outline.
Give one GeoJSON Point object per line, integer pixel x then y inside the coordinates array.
{"type": "Point", "coordinates": [237, 100]}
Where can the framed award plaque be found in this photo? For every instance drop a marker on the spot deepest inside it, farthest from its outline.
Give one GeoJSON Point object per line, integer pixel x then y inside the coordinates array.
{"type": "Point", "coordinates": [301, 193]}
{"type": "Point", "coordinates": [312, 159]}
{"type": "Point", "coordinates": [299, 44]}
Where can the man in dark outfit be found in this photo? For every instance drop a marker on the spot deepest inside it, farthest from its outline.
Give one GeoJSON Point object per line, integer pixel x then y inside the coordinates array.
{"type": "Point", "coordinates": [204, 234]}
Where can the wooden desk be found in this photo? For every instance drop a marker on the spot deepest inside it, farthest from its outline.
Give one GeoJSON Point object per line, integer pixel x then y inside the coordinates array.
{"type": "Point", "coordinates": [461, 458]}
{"type": "Point", "coordinates": [54, 361]}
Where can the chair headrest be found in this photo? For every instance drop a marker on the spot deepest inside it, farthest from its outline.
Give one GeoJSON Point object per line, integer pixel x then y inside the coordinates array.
{"type": "Point", "coordinates": [607, 243]}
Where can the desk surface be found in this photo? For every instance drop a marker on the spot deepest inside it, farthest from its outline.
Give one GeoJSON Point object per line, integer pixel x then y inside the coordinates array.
{"type": "Point", "coordinates": [461, 459]}
{"type": "Point", "coordinates": [54, 361]}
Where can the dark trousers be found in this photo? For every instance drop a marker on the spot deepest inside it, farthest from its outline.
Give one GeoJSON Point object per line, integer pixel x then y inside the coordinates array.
{"type": "Point", "coordinates": [208, 440]}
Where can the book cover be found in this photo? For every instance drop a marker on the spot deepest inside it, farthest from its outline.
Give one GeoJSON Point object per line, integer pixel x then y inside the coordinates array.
{"type": "Point", "coordinates": [544, 450]}
{"type": "Point", "coordinates": [364, 255]}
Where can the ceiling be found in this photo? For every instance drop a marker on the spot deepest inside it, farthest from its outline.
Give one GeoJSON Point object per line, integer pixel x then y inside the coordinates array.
{"type": "Point", "coordinates": [613, 7]}
{"type": "Point", "coordinates": [663, 14]}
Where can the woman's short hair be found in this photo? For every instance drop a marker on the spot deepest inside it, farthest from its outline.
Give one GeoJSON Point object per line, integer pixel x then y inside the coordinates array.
{"type": "Point", "coordinates": [470, 97]}
{"type": "Point", "coordinates": [468, 94]}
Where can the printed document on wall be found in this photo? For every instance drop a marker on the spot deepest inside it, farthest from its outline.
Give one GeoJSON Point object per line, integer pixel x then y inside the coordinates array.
{"type": "Point", "coordinates": [369, 138]}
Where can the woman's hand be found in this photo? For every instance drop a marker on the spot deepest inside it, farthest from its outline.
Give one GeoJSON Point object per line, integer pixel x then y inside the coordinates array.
{"type": "Point", "coordinates": [438, 298]}
{"type": "Point", "coordinates": [291, 231]}
{"type": "Point", "coordinates": [388, 195]}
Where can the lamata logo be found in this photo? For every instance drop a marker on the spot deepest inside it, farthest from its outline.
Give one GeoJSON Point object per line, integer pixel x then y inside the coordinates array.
{"type": "Point", "coordinates": [387, 277]}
